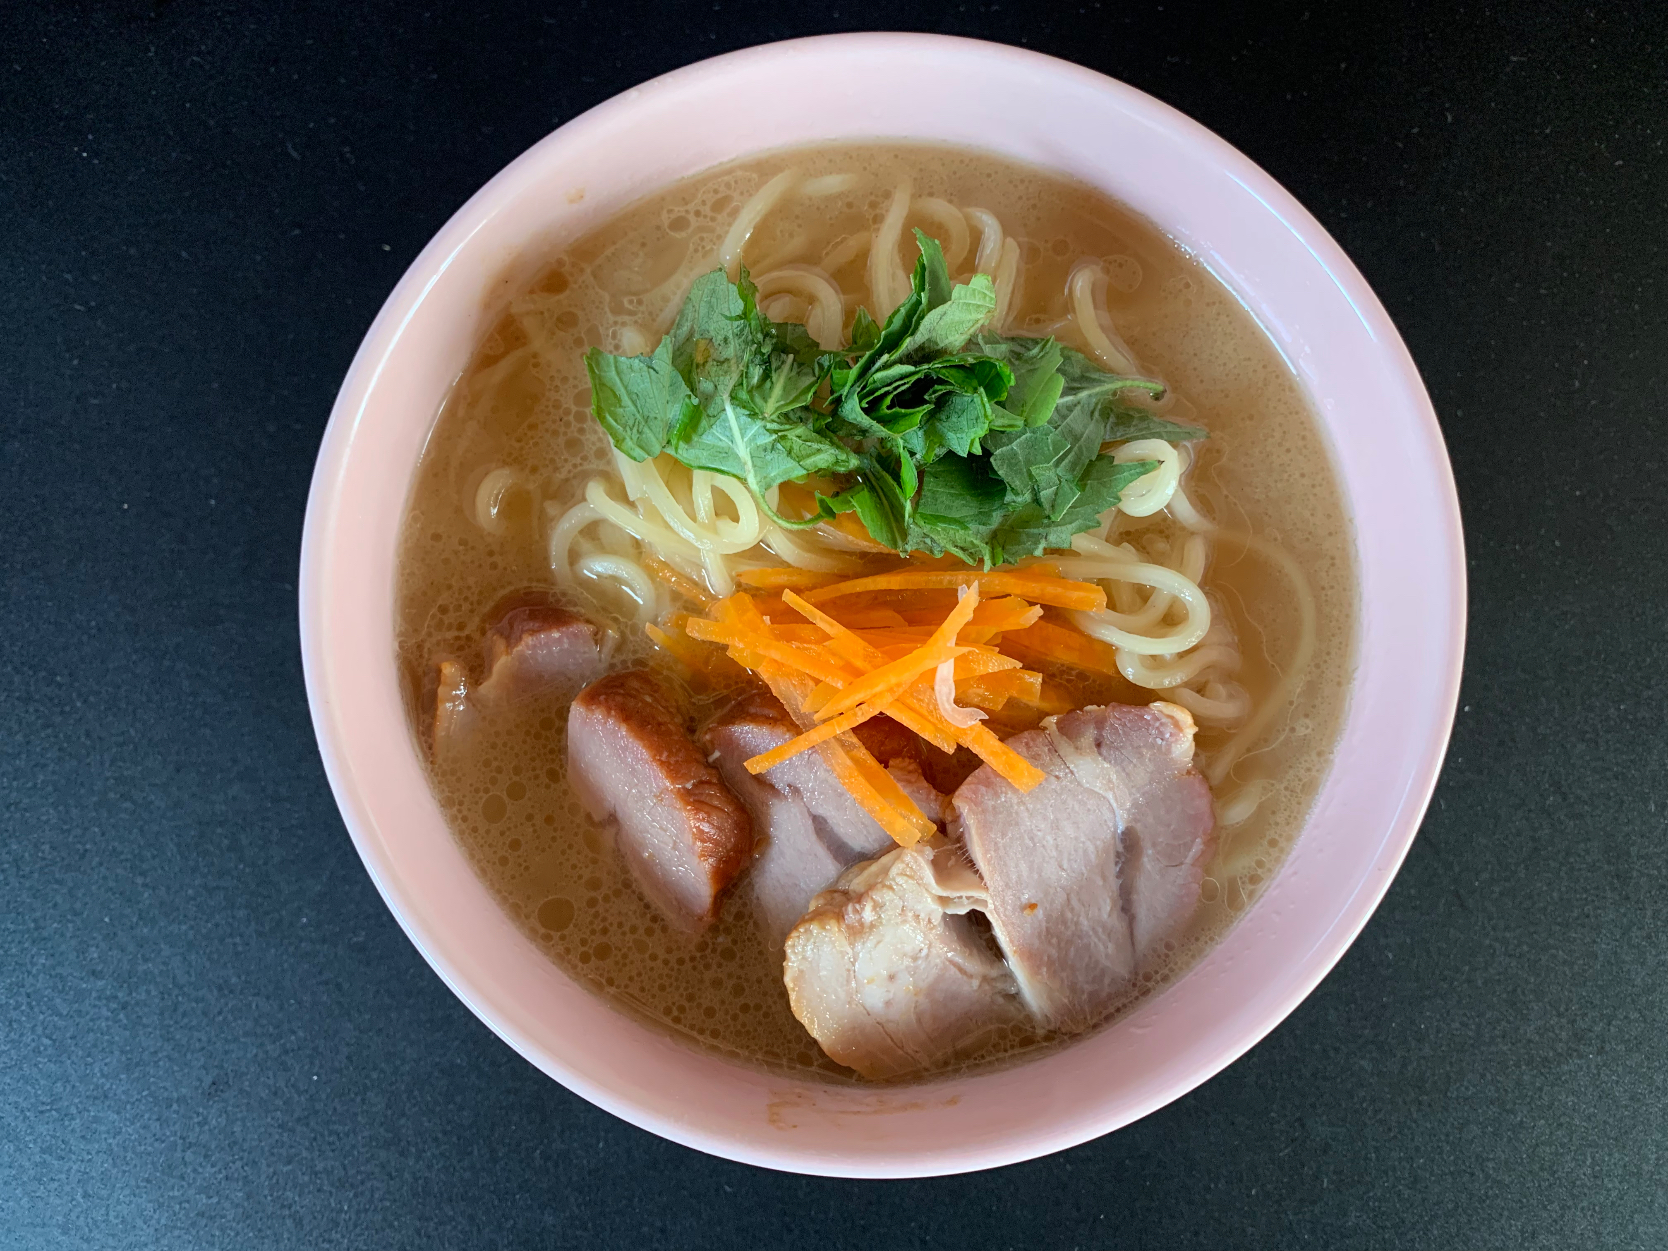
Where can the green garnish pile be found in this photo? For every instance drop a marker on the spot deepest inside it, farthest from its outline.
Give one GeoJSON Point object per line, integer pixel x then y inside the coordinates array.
{"type": "Point", "coordinates": [941, 437]}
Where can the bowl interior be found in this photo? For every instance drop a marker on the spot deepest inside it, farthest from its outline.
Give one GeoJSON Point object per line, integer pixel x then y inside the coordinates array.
{"type": "Point", "coordinates": [1252, 235]}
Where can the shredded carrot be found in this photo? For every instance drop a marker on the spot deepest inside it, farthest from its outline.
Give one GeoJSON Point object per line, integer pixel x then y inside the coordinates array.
{"type": "Point", "coordinates": [874, 618]}
{"type": "Point", "coordinates": [904, 670]}
{"type": "Point", "coordinates": [917, 715]}
{"type": "Point", "coordinates": [849, 759]}
{"type": "Point", "coordinates": [1038, 588]}
{"type": "Point", "coordinates": [886, 788]}
{"type": "Point", "coordinates": [1000, 757]}
{"type": "Point", "coordinates": [786, 576]}
{"type": "Point", "coordinates": [1012, 613]}
{"type": "Point", "coordinates": [849, 662]}
{"type": "Point", "coordinates": [1054, 642]}
{"type": "Point", "coordinates": [977, 663]}
{"type": "Point", "coordinates": [814, 661]}
{"type": "Point", "coordinates": [708, 662]}
{"type": "Point", "coordinates": [677, 580]}
{"type": "Point", "coordinates": [1009, 613]}
{"type": "Point", "coordinates": [822, 733]}
{"type": "Point", "coordinates": [1023, 684]}
{"type": "Point", "coordinates": [890, 679]}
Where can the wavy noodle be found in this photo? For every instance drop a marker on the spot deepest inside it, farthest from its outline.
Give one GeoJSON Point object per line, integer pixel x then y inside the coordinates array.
{"type": "Point", "coordinates": [747, 221]}
{"type": "Point", "coordinates": [633, 342]}
{"type": "Point", "coordinates": [1148, 494]}
{"type": "Point", "coordinates": [795, 547]}
{"type": "Point", "coordinates": [786, 253]}
{"type": "Point", "coordinates": [704, 524]}
{"type": "Point", "coordinates": [1237, 808]}
{"type": "Point", "coordinates": [845, 250]}
{"type": "Point", "coordinates": [1182, 509]}
{"type": "Point", "coordinates": [949, 218]}
{"type": "Point", "coordinates": [990, 239]}
{"type": "Point", "coordinates": [626, 575]}
{"type": "Point", "coordinates": [1084, 296]}
{"type": "Point", "coordinates": [827, 185]}
{"type": "Point", "coordinates": [826, 320]}
{"type": "Point", "coordinates": [998, 257]}
{"type": "Point", "coordinates": [1226, 757]}
{"type": "Point", "coordinates": [888, 283]}
{"type": "Point", "coordinates": [493, 495]}
{"type": "Point", "coordinates": [1102, 624]}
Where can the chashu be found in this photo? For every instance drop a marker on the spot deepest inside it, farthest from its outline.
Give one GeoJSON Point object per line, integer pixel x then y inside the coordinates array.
{"type": "Point", "coordinates": [682, 832]}
{"type": "Point", "coordinates": [809, 827]}
{"type": "Point", "coordinates": [533, 649]}
{"type": "Point", "coordinates": [1092, 870]}
{"type": "Point", "coordinates": [886, 972]}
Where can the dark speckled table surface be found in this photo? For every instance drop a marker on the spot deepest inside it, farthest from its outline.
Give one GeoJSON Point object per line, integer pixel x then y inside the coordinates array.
{"type": "Point", "coordinates": [212, 1033]}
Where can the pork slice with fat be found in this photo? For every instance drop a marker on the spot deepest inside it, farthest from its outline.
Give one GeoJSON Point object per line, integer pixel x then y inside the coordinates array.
{"type": "Point", "coordinates": [1049, 858]}
{"type": "Point", "coordinates": [682, 832]}
{"type": "Point", "coordinates": [886, 973]}
{"type": "Point", "coordinates": [809, 826]}
{"type": "Point", "coordinates": [1141, 760]}
{"type": "Point", "coordinates": [1096, 868]}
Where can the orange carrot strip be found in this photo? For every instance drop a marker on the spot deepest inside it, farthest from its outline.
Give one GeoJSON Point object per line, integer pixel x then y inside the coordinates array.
{"type": "Point", "coordinates": [677, 580]}
{"type": "Point", "coordinates": [1053, 642]}
{"type": "Point", "coordinates": [920, 716]}
{"type": "Point", "coordinates": [873, 618]}
{"type": "Point", "coordinates": [904, 670]}
{"type": "Point", "coordinates": [1012, 612]}
{"type": "Point", "coordinates": [824, 692]}
{"type": "Point", "coordinates": [853, 766]}
{"type": "Point", "coordinates": [1014, 683]}
{"type": "Point", "coordinates": [1000, 757]}
{"type": "Point", "coordinates": [1053, 699]}
{"type": "Point", "coordinates": [822, 733]}
{"type": "Point", "coordinates": [891, 636]}
{"type": "Point", "coordinates": [798, 633]}
{"type": "Point", "coordinates": [1038, 588]}
{"type": "Point", "coordinates": [889, 679]}
{"type": "Point", "coordinates": [814, 661]}
{"type": "Point", "coordinates": [973, 664]}
{"type": "Point", "coordinates": [785, 576]}
{"type": "Point", "coordinates": [709, 662]}
{"type": "Point", "coordinates": [887, 790]}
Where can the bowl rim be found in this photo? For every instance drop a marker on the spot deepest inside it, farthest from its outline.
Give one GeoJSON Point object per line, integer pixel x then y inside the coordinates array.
{"type": "Point", "coordinates": [324, 510]}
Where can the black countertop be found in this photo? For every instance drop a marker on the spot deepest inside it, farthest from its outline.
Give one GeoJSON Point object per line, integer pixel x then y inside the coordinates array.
{"type": "Point", "coordinates": [211, 1030]}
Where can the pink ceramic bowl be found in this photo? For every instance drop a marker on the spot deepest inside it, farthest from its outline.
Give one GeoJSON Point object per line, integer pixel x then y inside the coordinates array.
{"type": "Point", "coordinates": [1254, 237]}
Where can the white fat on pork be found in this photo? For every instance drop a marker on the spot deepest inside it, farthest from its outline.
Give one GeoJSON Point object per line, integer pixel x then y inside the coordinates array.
{"type": "Point", "coordinates": [808, 825]}
{"type": "Point", "coordinates": [681, 831]}
{"type": "Point", "coordinates": [1090, 872]}
{"type": "Point", "coordinates": [887, 973]}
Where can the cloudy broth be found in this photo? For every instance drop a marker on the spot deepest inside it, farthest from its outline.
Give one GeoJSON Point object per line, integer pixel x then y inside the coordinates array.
{"type": "Point", "coordinates": [1264, 470]}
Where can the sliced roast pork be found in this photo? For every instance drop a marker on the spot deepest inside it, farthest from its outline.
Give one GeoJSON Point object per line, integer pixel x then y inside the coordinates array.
{"type": "Point", "coordinates": [682, 832]}
{"type": "Point", "coordinates": [536, 648]}
{"type": "Point", "coordinates": [809, 826]}
{"type": "Point", "coordinates": [1141, 760]}
{"type": "Point", "coordinates": [532, 649]}
{"type": "Point", "coordinates": [886, 973]}
{"type": "Point", "coordinates": [1094, 868]}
